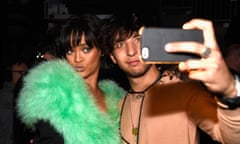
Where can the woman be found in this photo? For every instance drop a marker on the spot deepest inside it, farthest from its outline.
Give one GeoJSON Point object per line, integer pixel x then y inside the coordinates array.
{"type": "Point", "coordinates": [63, 99]}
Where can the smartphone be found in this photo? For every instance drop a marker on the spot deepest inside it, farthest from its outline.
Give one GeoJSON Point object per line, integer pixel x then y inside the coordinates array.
{"type": "Point", "coordinates": [154, 40]}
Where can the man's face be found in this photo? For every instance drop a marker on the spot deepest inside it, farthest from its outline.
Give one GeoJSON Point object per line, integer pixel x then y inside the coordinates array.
{"type": "Point", "coordinates": [126, 54]}
{"type": "Point", "coordinates": [18, 70]}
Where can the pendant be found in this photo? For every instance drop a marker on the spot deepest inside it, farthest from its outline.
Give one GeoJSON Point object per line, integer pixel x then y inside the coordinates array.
{"type": "Point", "coordinates": [138, 96]}
{"type": "Point", "coordinates": [135, 131]}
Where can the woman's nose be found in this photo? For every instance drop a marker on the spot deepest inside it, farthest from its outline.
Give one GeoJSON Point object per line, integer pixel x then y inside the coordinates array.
{"type": "Point", "coordinates": [78, 57]}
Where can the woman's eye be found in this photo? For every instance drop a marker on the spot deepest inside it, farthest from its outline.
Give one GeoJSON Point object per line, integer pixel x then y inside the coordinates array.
{"type": "Point", "coordinates": [86, 50]}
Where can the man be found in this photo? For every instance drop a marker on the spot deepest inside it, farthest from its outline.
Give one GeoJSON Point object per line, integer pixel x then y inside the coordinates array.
{"type": "Point", "coordinates": [46, 52]}
{"type": "Point", "coordinates": [231, 52]}
{"type": "Point", "coordinates": [12, 75]}
{"type": "Point", "coordinates": [232, 57]}
{"type": "Point", "coordinates": [156, 111]}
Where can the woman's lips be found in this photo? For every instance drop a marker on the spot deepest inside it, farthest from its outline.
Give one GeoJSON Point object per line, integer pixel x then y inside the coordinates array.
{"type": "Point", "coordinates": [79, 68]}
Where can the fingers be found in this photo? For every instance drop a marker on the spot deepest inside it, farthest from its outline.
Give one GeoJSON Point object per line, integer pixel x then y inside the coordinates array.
{"type": "Point", "coordinates": [207, 28]}
{"type": "Point", "coordinates": [204, 50]}
{"type": "Point", "coordinates": [201, 70]}
{"type": "Point", "coordinates": [193, 65]}
{"type": "Point", "coordinates": [189, 47]}
{"type": "Point", "coordinates": [210, 68]}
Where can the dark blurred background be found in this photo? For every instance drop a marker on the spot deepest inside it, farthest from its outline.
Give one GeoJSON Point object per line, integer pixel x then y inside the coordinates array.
{"type": "Point", "coordinates": [29, 19]}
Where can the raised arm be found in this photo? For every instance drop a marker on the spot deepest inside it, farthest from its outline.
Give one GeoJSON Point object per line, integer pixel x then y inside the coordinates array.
{"type": "Point", "coordinates": [211, 69]}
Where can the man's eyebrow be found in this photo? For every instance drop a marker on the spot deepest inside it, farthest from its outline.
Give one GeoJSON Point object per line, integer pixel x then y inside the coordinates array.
{"type": "Point", "coordinates": [118, 40]}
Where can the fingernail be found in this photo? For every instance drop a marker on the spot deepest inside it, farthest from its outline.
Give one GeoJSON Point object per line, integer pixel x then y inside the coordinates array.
{"type": "Point", "coordinates": [186, 26]}
{"type": "Point", "coordinates": [181, 66]}
{"type": "Point", "coordinates": [168, 47]}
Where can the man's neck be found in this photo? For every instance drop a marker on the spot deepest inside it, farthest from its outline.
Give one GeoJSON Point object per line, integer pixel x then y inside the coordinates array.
{"type": "Point", "coordinates": [142, 82]}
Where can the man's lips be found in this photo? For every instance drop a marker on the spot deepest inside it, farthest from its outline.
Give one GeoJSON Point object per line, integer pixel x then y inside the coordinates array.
{"type": "Point", "coordinates": [133, 62]}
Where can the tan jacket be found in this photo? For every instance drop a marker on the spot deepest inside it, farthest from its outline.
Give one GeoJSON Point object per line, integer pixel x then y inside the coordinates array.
{"type": "Point", "coordinates": [171, 113]}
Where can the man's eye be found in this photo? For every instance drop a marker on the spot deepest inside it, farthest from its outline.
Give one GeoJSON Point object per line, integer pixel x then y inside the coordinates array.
{"type": "Point", "coordinates": [118, 45]}
{"type": "Point", "coordinates": [69, 52]}
{"type": "Point", "coordinates": [138, 39]}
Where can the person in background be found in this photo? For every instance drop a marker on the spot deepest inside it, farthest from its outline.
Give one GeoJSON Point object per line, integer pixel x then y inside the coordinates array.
{"type": "Point", "coordinates": [12, 74]}
{"type": "Point", "coordinates": [45, 52]}
{"type": "Point", "coordinates": [63, 99]}
{"type": "Point", "coordinates": [232, 57]}
{"type": "Point", "coordinates": [231, 53]}
{"type": "Point", "coordinates": [156, 111]}
{"type": "Point", "coordinates": [47, 46]}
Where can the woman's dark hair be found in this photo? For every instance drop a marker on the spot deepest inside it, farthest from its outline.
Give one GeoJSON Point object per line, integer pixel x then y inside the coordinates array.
{"type": "Point", "coordinates": [89, 24]}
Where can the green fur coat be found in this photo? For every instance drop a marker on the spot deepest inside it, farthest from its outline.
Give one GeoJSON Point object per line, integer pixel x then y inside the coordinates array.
{"type": "Point", "coordinates": [54, 92]}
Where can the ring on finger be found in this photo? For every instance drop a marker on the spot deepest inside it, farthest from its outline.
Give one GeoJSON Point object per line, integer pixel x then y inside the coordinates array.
{"type": "Point", "coordinates": [206, 52]}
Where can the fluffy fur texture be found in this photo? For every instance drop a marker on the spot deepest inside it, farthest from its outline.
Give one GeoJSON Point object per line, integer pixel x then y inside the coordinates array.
{"type": "Point", "coordinates": [54, 92]}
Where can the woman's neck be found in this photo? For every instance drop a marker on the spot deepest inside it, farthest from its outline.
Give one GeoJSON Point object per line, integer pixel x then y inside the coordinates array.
{"type": "Point", "coordinates": [98, 97]}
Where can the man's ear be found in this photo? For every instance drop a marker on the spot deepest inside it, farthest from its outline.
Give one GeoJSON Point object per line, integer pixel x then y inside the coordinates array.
{"type": "Point", "coordinates": [113, 58]}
